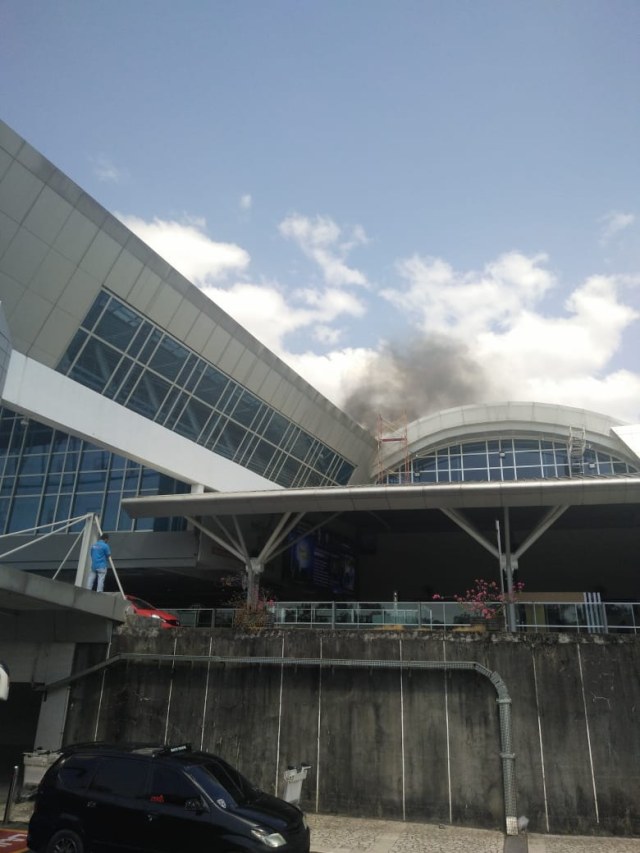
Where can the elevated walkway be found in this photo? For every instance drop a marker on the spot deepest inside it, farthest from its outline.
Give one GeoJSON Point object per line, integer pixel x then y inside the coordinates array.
{"type": "Point", "coordinates": [35, 606]}
{"type": "Point", "coordinates": [24, 593]}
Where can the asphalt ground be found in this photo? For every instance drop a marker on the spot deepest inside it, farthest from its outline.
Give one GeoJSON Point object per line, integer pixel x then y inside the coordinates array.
{"type": "Point", "coordinates": [332, 834]}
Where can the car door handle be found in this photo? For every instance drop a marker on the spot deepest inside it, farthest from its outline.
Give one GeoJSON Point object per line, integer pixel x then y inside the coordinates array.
{"type": "Point", "coordinates": [91, 804]}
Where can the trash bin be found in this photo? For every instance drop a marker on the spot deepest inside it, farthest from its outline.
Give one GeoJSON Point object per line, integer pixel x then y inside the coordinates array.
{"type": "Point", "coordinates": [35, 766]}
{"type": "Point", "coordinates": [293, 779]}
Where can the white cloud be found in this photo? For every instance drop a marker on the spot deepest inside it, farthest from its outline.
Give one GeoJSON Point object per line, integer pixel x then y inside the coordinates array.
{"type": "Point", "coordinates": [105, 170]}
{"type": "Point", "coordinates": [269, 313]}
{"type": "Point", "coordinates": [524, 353]}
{"type": "Point", "coordinates": [187, 247]}
{"type": "Point", "coordinates": [495, 315]}
{"type": "Point", "coordinates": [333, 373]}
{"type": "Point", "coordinates": [613, 223]}
{"type": "Point", "coordinates": [246, 202]}
{"type": "Point", "coordinates": [448, 302]}
{"type": "Point", "coordinates": [320, 240]}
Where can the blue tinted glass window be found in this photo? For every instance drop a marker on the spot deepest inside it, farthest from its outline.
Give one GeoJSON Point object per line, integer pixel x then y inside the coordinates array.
{"type": "Point", "coordinates": [94, 460]}
{"type": "Point", "coordinates": [229, 440]}
{"type": "Point", "coordinates": [344, 473]}
{"type": "Point", "coordinates": [118, 324]}
{"type": "Point", "coordinates": [474, 447]}
{"type": "Point", "coordinates": [474, 460]}
{"type": "Point", "coordinates": [87, 502]}
{"type": "Point", "coordinates": [302, 445]}
{"type": "Point", "coordinates": [277, 429]}
{"type": "Point", "coordinates": [140, 338]}
{"type": "Point", "coordinates": [23, 514]}
{"type": "Point", "coordinates": [95, 311]}
{"type": "Point", "coordinates": [170, 409]}
{"type": "Point", "coordinates": [71, 461]}
{"type": "Point", "coordinates": [193, 419]}
{"type": "Point", "coordinates": [262, 455]}
{"type": "Point", "coordinates": [427, 476]}
{"type": "Point", "coordinates": [324, 459]}
{"type": "Point", "coordinates": [529, 472]}
{"type": "Point", "coordinates": [95, 365]}
{"type": "Point", "coordinates": [195, 375]}
{"type": "Point", "coordinates": [6, 431]}
{"type": "Point", "coordinates": [118, 377]}
{"type": "Point", "coordinates": [102, 366]}
{"type": "Point", "coordinates": [211, 386]}
{"type": "Point", "coordinates": [28, 485]}
{"type": "Point", "coordinates": [229, 399]}
{"type": "Point", "coordinates": [90, 481]}
{"type": "Point", "coordinates": [288, 472]}
{"type": "Point", "coordinates": [150, 480]}
{"type": "Point", "coordinates": [527, 458]}
{"type": "Point", "coordinates": [34, 464]}
{"type": "Point", "coordinates": [150, 345]}
{"type": "Point", "coordinates": [37, 439]}
{"type": "Point", "coordinates": [247, 409]}
{"type": "Point", "coordinates": [186, 371]}
{"type": "Point", "coordinates": [526, 444]}
{"type": "Point", "coordinates": [128, 384]}
{"type": "Point", "coordinates": [148, 395]}
{"type": "Point", "coordinates": [169, 358]}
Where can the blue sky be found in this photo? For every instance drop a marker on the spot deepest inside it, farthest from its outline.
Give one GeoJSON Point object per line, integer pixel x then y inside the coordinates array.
{"type": "Point", "coordinates": [420, 203]}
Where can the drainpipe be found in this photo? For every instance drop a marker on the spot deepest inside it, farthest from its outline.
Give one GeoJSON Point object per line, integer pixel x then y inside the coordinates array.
{"type": "Point", "coordinates": [503, 701]}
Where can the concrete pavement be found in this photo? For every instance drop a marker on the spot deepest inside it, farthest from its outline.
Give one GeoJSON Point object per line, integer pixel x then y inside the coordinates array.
{"type": "Point", "coordinates": [332, 834]}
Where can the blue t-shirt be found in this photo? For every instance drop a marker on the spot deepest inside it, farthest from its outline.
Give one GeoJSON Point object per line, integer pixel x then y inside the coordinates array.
{"type": "Point", "coordinates": [100, 553]}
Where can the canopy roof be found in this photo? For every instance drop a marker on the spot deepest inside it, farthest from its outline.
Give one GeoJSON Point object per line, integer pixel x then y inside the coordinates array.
{"type": "Point", "coordinates": [525, 493]}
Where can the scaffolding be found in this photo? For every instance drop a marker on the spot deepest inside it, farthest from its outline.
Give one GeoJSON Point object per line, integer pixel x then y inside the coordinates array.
{"type": "Point", "coordinates": [576, 447]}
{"type": "Point", "coordinates": [387, 432]}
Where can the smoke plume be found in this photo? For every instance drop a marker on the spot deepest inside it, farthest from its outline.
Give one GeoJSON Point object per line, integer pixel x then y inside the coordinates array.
{"type": "Point", "coordinates": [416, 379]}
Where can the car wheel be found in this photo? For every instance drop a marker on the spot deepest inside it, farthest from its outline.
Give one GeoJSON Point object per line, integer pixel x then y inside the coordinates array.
{"type": "Point", "coordinates": [65, 841]}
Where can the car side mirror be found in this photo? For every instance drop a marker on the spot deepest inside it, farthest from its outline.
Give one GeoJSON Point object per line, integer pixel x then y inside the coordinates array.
{"type": "Point", "coordinates": [195, 805]}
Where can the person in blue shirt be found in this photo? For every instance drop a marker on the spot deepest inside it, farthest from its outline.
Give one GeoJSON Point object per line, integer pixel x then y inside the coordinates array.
{"type": "Point", "coordinates": [100, 553]}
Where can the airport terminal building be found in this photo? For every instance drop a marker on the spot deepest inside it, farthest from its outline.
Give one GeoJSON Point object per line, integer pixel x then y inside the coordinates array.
{"type": "Point", "coordinates": [122, 382]}
{"type": "Point", "coordinates": [129, 396]}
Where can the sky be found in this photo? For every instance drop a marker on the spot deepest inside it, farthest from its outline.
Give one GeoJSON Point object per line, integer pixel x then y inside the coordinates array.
{"type": "Point", "coordinates": [416, 204]}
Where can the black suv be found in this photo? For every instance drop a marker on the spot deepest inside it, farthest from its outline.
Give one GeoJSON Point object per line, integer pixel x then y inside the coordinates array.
{"type": "Point", "coordinates": [98, 797]}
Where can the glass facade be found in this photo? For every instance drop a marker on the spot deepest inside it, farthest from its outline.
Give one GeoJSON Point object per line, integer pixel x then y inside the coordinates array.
{"type": "Point", "coordinates": [121, 355]}
{"type": "Point", "coordinates": [507, 459]}
{"type": "Point", "coordinates": [47, 475]}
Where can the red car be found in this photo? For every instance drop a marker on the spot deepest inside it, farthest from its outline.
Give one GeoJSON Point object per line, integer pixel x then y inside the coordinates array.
{"type": "Point", "coordinates": [164, 618]}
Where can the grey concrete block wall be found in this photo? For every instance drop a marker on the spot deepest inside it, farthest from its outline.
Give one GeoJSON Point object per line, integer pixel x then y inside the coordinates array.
{"type": "Point", "coordinates": [411, 744]}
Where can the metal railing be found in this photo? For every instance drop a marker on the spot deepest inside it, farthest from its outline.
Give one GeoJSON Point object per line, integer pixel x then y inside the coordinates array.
{"type": "Point", "coordinates": [593, 618]}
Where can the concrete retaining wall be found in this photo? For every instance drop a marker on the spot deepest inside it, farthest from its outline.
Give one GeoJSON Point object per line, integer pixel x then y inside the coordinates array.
{"type": "Point", "coordinates": [409, 744]}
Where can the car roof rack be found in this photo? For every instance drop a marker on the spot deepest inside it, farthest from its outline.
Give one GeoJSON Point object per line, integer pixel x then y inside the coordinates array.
{"type": "Point", "coordinates": [140, 747]}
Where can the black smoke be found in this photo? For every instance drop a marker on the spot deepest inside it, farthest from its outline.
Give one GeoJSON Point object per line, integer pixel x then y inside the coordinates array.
{"type": "Point", "coordinates": [415, 379]}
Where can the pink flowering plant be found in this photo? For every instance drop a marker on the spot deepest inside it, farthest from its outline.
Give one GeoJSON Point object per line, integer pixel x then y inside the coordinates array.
{"type": "Point", "coordinates": [485, 599]}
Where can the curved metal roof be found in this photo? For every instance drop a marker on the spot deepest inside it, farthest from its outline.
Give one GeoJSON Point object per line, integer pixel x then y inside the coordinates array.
{"type": "Point", "coordinates": [523, 493]}
{"type": "Point", "coordinates": [489, 420]}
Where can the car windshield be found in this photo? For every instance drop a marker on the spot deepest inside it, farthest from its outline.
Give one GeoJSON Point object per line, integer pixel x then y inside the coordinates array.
{"type": "Point", "coordinates": [140, 604]}
{"type": "Point", "coordinates": [221, 781]}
